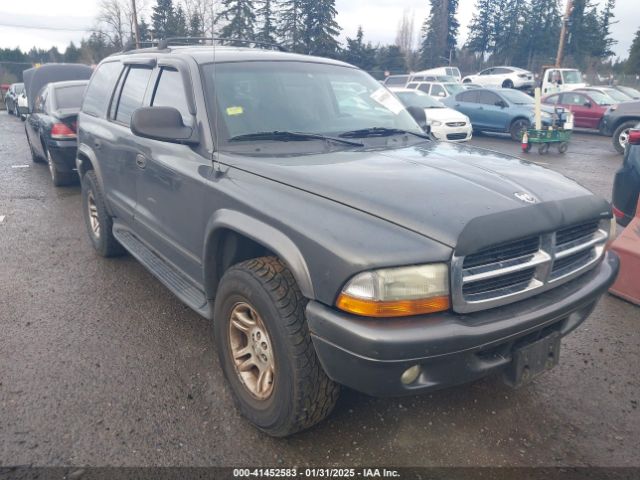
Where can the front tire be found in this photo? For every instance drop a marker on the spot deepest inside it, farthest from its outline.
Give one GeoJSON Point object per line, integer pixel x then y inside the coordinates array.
{"type": "Point", "coordinates": [621, 135]}
{"type": "Point", "coordinates": [265, 349]}
{"type": "Point", "coordinates": [507, 84]}
{"type": "Point", "coordinates": [517, 129]}
{"type": "Point", "coordinates": [97, 220]}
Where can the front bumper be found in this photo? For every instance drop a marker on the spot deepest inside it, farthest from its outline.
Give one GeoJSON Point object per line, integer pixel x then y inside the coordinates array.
{"type": "Point", "coordinates": [452, 134]}
{"type": "Point", "coordinates": [370, 355]}
{"type": "Point", "coordinates": [63, 154]}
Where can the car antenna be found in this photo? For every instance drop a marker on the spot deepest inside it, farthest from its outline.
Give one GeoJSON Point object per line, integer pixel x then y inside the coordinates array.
{"type": "Point", "coordinates": [216, 151]}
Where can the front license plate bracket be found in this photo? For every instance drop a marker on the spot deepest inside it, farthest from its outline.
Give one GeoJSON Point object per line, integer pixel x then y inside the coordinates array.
{"type": "Point", "coordinates": [531, 360]}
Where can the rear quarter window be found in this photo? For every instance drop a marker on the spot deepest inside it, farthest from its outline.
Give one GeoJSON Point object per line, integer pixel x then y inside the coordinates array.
{"type": "Point", "coordinates": [132, 94]}
{"type": "Point", "coordinates": [98, 94]}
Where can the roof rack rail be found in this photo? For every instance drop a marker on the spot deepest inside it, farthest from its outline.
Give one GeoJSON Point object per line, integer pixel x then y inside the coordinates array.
{"type": "Point", "coordinates": [182, 41]}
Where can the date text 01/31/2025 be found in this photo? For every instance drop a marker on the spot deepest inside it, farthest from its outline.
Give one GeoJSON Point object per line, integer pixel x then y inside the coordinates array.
{"type": "Point", "coordinates": [316, 472]}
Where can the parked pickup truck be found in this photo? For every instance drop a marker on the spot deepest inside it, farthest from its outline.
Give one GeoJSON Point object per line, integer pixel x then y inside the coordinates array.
{"type": "Point", "coordinates": [330, 241]}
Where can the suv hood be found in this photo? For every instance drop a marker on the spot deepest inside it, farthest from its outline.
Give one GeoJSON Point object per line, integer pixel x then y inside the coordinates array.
{"type": "Point", "coordinates": [434, 189]}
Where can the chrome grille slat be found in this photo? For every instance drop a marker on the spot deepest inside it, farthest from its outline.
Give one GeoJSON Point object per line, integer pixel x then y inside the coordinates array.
{"type": "Point", "coordinates": [515, 265]}
{"type": "Point", "coordinates": [518, 269]}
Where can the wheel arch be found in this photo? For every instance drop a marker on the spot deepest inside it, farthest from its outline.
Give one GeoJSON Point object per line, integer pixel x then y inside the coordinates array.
{"type": "Point", "coordinates": [232, 236]}
{"type": "Point", "coordinates": [85, 161]}
{"type": "Point", "coordinates": [621, 120]}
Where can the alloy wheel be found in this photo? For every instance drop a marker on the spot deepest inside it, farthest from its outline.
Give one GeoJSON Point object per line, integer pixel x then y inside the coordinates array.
{"type": "Point", "coordinates": [252, 351]}
{"type": "Point", "coordinates": [92, 209]}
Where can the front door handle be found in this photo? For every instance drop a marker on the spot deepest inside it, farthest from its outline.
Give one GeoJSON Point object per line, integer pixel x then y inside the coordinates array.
{"type": "Point", "coordinates": [141, 161]}
{"type": "Point", "coordinates": [97, 144]}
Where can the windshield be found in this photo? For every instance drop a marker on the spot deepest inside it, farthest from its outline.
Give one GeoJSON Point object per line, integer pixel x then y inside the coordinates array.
{"type": "Point", "coordinates": [516, 97]}
{"type": "Point", "coordinates": [632, 92]}
{"type": "Point", "coordinates": [454, 88]}
{"type": "Point", "coordinates": [418, 99]}
{"type": "Point", "coordinates": [617, 95]}
{"type": "Point", "coordinates": [572, 76]}
{"type": "Point", "coordinates": [19, 88]}
{"type": "Point", "coordinates": [70, 97]}
{"type": "Point", "coordinates": [303, 97]}
{"type": "Point", "coordinates": [601, 98]}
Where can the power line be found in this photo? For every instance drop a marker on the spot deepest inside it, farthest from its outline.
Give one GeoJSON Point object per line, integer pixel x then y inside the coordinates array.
{"type": "Point", "coordinates": [42, 27]}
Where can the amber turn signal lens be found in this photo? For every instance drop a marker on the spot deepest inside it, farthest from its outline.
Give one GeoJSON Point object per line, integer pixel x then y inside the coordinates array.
{"type": "Point", "coordinates": [397, 308]}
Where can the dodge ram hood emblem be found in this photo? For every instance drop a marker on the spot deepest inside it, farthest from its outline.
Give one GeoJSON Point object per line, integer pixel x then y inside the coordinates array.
{"type": "Point", "coordinates": [525, 197]}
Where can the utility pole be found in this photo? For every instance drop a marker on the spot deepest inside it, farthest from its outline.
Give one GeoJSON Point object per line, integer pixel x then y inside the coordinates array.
{"type": "Point", "coordinates": [135, 22]}
{"type": "Point", "coordinates": [563, 32]}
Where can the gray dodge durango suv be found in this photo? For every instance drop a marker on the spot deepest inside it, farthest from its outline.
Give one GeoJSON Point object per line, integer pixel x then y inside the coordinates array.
{"type": "Point", "coordinates": [295, 202]}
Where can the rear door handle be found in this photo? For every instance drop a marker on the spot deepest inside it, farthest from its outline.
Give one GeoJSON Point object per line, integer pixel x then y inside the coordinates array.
{"type": "Point", "coordinates": [141, 161]}
{"type": "Point", "coordinates": [97, 144]}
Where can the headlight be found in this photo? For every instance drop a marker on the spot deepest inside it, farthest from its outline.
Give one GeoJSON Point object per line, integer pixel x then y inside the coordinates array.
{"type": "Point", "coordinates": [397, 292]}
{"type": "Point", "coordinates": [435, 123]}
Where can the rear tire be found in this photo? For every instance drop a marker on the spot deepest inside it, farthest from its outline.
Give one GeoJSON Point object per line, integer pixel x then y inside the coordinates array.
{"type": "Point", "coordinates": [621, 135]}
{"type": "Point", "coordinates": [517, 129]}
{"type": "Point", "coordinates": [260, 327]}
{"type": "Point", "coordinates": [59, 179]}
{"type": "Point", "coordinates": [34, 156]}
{"type": "Point", "coordinates": [97, 220]}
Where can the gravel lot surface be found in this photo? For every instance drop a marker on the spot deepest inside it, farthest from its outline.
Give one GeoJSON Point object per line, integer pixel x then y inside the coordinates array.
{"type": "Point", "coordinates": [101, 365]}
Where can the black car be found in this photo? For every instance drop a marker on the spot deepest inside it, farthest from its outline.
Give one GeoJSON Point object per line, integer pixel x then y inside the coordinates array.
{"type": "Point", "coordinates": [626, 185]}
{"type": "Point", "coordinates": [51, 128]}
{"type": "Point", "coordinates": [618, 120]}
{"type": "Point", "coordinates": [295, 202]}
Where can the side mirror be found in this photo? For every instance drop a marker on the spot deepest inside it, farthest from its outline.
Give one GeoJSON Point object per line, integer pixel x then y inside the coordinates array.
{"type": "Point", "coordinates": [441, 94]}
{"type": "Point", "coordinates": [501, 104]}
{"type": "Point", "coordinates": [419, 116]}
{"type": "Point", "coordinates": [162, 123]}
{"type": "Point", "coordinates": [587, 104]}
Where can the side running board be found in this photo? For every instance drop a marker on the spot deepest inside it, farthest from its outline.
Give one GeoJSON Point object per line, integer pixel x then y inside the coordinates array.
{"type": "Point", "coordinates": [172, 278]}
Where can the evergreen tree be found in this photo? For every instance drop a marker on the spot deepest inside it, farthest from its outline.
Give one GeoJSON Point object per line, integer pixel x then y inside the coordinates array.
{"type": "Point", "coordinates": [539, 38]}
{"type": "Point", "coordinates": [632, 65]}
{"type": "Point", "coordinates": [390, 59]}
{"type": "Point", "coordinates": [480, 33]}
{"type": "Point", "coordinates": [320, 29]}
{"type": "Point", "coordinates": [606, 18]}
{"type": "Point", "coordinates": [72, 54]}
{"type": "Point", "coordinates": [178, 23]}
{"type": "Point", "coordinates": [358, 53]}
{"type": "Point", "coordinates": [162, 19]}
{"type": "Point", "coordinates": [290, 24]}
{"type": "Point", "coordinates": [507, 29]}
{"type": "Point", "coordinates": [439, 33]}
{"type": "Point", "coordinates": [143, 30]}
{"type": "Point", "coordinates": [240, 19]}
{"type": "Point", "coordinates": [195, 25]}
{"type": "Point", "coordinates": [266, 19]}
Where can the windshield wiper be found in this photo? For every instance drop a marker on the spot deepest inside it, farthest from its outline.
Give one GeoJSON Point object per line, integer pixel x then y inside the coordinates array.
{"type": "Point", "coordinates": [380, 132]}
{"type": "Point", "coordinates": [283, 136]}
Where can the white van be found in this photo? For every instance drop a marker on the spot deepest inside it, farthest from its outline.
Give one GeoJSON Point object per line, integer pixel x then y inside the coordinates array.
{"type": "Point", "coordinates": [451, 72]}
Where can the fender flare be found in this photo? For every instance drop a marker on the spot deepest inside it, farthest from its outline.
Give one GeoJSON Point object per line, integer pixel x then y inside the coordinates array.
{"type": "Point", "coordinates": [261, 233]}
{"type": "Point", "coordinates": [85, 150]}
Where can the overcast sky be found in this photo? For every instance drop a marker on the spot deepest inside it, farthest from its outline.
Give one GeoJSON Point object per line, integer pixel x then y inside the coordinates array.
{"type": "Point", "coordinates": [379, 19]}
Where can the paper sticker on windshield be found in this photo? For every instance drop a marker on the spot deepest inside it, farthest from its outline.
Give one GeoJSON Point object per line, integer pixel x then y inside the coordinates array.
{"type": "Point", "coordinates": [234, 111]}
{"type": "Point", "coordinates": [385, 98]}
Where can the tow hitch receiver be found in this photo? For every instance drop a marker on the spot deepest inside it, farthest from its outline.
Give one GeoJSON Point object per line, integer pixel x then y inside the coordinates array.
{"type": "Point", "coordinates": [532, 359]}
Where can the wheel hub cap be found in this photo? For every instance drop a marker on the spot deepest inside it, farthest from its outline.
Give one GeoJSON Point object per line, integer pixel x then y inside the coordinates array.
{"type": "Point", "coordinates": [624, 138]}
{"type": "Point", "coordinates": [252, 351]}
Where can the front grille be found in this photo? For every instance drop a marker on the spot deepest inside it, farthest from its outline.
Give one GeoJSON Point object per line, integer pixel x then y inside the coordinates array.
{"type": "Point", "coordinates": [510, 271]}
{"type": "Point", "coordinates": [505, 251]}
{"type": "Point", "coordinates": [456, 124]}
{"type": "Point", "coordinates": [456, 136]}
{"type": "Point", "coordinates": [512, 280]}
{"type": "Point", "coordinates": [576, 232]}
